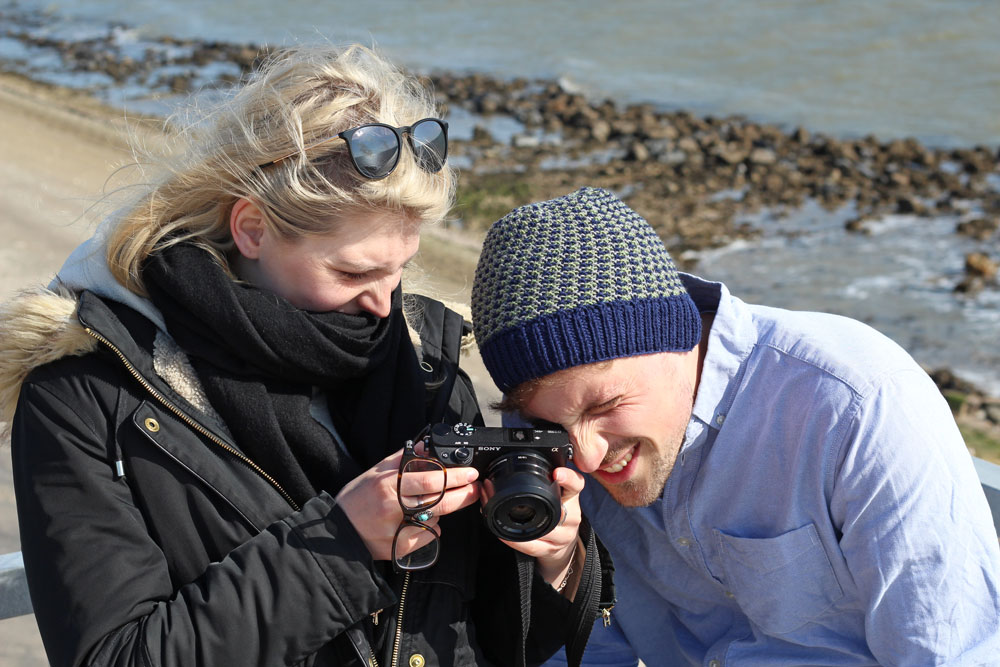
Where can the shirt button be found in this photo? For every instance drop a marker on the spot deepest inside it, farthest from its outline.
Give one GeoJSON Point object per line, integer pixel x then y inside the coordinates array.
{"type": "Point", "coordinates": [417, 660]}
{"type": "Point", "coordinates": [714, 663]}
{"type": "Point", "coordinates": [719, 419]}
{"type": "Point", "coordinates": [684, 542]}
{"type": "Point", "coordinates": [729, 594]}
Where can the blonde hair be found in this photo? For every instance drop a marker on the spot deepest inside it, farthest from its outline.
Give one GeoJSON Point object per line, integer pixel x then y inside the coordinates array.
{"type": "Point", "coordinates": [298, 97]}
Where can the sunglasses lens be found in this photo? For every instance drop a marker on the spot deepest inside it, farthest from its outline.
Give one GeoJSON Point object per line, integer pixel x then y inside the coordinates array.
{"type": "Point", "coordinates": [375, 150]}
{"type": "Point", "coordinates": [430, 144]}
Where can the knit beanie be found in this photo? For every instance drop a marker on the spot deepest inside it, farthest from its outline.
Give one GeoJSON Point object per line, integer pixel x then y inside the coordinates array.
{"type": "Point", "coordinates": [575, 280]}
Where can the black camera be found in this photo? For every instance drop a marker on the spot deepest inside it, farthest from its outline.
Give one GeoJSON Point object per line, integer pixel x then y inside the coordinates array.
{"type": "Point", "coordinates": [515, 467]}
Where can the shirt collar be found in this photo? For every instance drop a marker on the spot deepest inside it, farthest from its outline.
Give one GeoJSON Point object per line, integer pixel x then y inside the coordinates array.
{"type": "Point", "coordinates": [730, 341]}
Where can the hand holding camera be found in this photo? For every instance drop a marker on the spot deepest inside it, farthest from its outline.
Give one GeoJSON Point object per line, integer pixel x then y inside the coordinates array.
{"type": "Point", "coordinates": [522, 501]}
{"type": "Point", "coordinates": [529, 498]}
{"type": "Point", "coordinates": [372, 501]}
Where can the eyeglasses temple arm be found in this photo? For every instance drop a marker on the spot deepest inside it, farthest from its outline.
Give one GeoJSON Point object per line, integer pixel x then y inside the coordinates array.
{"type": "Point", "coordinates": [304, 150]}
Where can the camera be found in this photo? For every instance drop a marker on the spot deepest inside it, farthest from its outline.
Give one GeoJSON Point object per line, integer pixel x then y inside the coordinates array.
{"type": "Point", "coordinates": [515, 468]}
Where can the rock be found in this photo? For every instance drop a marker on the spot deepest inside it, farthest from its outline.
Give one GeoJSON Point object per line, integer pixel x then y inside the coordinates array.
{"type": "Point", "coordinates": [600, 130]}
{"type": "Point", "coordinates": [522, 140]}
{"type": "Point", "coordinates": [624, 128]}
{"type": "Point", "coordinates": [900, 179]}
{"type": "Point", "coordinates": [970, 285]}
{"type": "Point", "coordinates": [488, 104]}
{"type": "Point", "coordinates": [774, 183]}
{"type": "Point", "coordinates": [661, 130]}
{"type": "Point", "coordinates": [978, 264]}
{"type": "Point", "coordinates": [858, 225]}
{"type": "Point", "coordinates": [480, 135]}
{"type": "Point", "coordinates": [688, 145]}
{"type": "Point", "coordinates": [672, 157]}
{"type": "Point", "coordinates": [763, 156]}
{"type": "Point", "coordinates": [180, 83]}
{"type": "Point", "coordinates": [981, 229]}
{"type": "Point", "coordinates": [991, 409]}
{"type": "Point", "coordinates": [637, 152]}
{"type": "Point", "coordinates": [730, 153]}
{"type": "Point", "coordinates": [909, 205]}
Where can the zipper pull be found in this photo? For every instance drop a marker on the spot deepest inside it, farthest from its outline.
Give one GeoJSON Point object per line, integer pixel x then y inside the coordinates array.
{"type": "Point", "coordinates": [606, 613]}
{"type": "Point", "coordinates": [375, 616]}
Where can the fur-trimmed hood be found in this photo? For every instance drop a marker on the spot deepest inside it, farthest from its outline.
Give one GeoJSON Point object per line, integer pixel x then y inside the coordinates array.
{"type": "Point", "coordinates": [39, 325]}
{"type": "Point", "coordinates": [36, 327]}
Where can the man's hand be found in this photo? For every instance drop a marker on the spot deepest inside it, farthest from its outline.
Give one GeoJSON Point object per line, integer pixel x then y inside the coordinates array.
{"type": "Point", "coordinates": [556, 551]}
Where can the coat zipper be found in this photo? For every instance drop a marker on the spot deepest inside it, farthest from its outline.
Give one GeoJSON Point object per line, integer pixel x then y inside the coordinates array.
{"type": "Point", "coordinates": [188, 420]}
{"type": "Point", "coordinates": [399, 621]}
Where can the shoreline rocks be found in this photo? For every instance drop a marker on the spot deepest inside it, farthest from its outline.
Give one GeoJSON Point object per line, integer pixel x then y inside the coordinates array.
{"type": "Point", "coordinates": [692, 176]}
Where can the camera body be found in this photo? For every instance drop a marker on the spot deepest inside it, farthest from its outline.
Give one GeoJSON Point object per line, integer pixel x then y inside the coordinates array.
{"type": "Point", "coordinates": [515, 468]}
{"type": "Point", "coordinates": [479, 446]}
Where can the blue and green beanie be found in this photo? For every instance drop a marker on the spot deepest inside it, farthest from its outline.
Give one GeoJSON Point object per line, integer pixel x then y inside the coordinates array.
{"type": "Point", "coordinates": [575, 280]}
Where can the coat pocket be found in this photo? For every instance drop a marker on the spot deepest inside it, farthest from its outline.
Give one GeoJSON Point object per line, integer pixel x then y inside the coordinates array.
{"type": "Point", "coordinates": [781, 583]}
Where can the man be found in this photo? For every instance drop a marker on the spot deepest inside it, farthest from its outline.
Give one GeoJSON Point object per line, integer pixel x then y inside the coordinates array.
{"type": "Point", "coordinates": [775, 487]}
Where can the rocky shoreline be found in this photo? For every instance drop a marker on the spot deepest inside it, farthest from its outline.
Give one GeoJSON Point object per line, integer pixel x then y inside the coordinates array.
{"type": "Point", "coordinates": [692, 177]}
{"type": "Point", "coordinates": [695, 178]}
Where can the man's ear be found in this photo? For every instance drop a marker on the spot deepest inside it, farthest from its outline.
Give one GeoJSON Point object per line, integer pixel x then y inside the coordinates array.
{"type": "Point", "coordinates": [246, 224]}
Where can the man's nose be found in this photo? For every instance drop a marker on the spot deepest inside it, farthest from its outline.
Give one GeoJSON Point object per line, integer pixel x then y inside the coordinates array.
{"type": "Point", "coordinates": [589, 449]}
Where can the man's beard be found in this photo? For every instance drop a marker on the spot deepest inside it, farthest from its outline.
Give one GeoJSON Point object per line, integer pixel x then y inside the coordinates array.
{"type": "Point", "coordinates": [643, 490]}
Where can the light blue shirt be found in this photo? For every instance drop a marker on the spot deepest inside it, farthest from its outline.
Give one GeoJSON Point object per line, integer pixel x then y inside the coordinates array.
{"type": "Point", "coordinates": [823, 510]}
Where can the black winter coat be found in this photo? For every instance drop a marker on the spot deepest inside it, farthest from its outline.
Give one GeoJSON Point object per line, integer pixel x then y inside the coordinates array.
{"type": "Point", "coordinates": [149, 538]}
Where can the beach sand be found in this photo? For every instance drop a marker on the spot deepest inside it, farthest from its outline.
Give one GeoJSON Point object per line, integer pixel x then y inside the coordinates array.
{"type": "Point", "coordinates": [60, 150]}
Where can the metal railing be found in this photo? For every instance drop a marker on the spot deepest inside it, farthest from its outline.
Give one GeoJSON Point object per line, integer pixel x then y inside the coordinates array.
{"type": "Point", "coordinates": [14, 600]}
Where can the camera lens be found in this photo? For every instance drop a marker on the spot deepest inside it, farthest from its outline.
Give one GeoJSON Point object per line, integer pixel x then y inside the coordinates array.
{"type": "Point", "coordinates": [521, 513]}
{"type": "Point", "coordinates": [525, 502]}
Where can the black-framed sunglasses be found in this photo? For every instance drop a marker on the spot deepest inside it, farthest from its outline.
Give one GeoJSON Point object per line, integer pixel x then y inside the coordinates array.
{"type": "Point", "coordinates": [375, 147]}
{"type": "Point", "coordinates": [413, 529]}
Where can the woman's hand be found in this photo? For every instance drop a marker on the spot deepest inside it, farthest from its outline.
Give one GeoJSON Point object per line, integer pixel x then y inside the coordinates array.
{"type": "Point", "coordinates": [554, 552]}
{"type": "Point", "coordinates": [371, 504]}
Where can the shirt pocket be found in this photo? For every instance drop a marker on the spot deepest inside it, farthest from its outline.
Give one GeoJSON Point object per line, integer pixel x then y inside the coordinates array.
{"type": "Point", "coordinates": [781, 583]}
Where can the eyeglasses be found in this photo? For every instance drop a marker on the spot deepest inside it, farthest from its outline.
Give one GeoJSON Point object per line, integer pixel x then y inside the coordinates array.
{"type": "Point", "coordinates": [375, 147]}
{"type": "Point", "coordinates": [416, 545]}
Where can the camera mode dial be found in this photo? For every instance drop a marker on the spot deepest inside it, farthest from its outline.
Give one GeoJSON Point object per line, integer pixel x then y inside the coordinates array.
{"type": "Point", "coordinates": [463, 429]}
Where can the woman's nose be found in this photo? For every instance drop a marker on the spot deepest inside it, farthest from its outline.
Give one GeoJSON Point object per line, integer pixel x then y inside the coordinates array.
{"type": "Point", "coordinates": [377, 299]}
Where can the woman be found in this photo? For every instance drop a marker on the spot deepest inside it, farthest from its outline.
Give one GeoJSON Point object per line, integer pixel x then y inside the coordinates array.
{"type": "Point", "coordinates": [212, 397]}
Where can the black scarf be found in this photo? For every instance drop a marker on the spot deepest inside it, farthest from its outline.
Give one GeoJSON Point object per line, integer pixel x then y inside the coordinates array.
{"type": "Point", "coordinates": [259, 358]}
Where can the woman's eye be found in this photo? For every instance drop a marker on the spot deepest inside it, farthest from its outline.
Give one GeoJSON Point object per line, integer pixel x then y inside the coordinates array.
{"type": "Point", "coordinates": [353, 276]}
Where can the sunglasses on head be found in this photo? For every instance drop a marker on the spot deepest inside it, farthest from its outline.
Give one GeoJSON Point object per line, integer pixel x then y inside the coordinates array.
{"type": "Point", "coordinates": [375, 147]}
